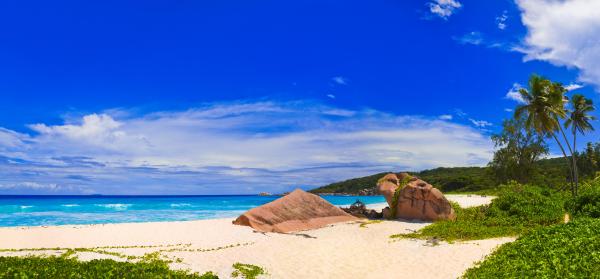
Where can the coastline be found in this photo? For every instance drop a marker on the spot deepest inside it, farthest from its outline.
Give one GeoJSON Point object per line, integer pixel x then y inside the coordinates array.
{"type": "Point", "coordinates": [462, 199]}
{"type": "Point", "coordinates": [341, 250]}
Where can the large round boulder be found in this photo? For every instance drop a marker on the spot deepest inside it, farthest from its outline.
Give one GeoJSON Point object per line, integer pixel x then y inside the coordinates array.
{"type": "Point", "coordinates": [413, 198]}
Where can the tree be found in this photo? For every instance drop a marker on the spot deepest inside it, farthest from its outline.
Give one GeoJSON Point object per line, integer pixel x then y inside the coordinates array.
{"type": "Point", "coordinates": [518, 150]}
{"type": "Point", "coordinates": [579, 121]}
{"type": "Point", "coordinates": [544, 106]}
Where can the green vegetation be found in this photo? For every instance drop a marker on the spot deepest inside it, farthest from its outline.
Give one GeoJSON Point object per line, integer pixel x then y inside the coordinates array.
{"type": "Point", "coordinates": [351, 186]}
{"type": "Point", "coordinates": [64, 267]}
{"type": "Point", "coordinates": [517, 210]}
{"type": "Point", "coordinates": [587, 203]}
{"type": "Point", "coordinates": [461, 179]}
{"type": "Point", "coordinates": [518, 151]}
{"type": "Point", "coordinates": [394, 206]}
{"type": "Point", "coordinates": [366, 223]}
{"type": "Point", "coordinates": [247, 271]}
{"type": "Point", "coordinates": [150, 265]}
{"type": "Point", "coordinates": [560, 251]}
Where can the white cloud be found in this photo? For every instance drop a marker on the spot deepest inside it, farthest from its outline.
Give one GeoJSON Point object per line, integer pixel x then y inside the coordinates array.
{"type": "Point", "coordinates": [445, 117]}
{"type": "Point", "coordinates": [340, 80]}
{"type": "Point", "coordinates": [501, 20]}
{"type": "Point", "coordinates": [508, 110]}
{"type": "Point", "coordinates": [473, 38]}
{"type": "Point", "coordinates": [573, 86]}
{"type": "Point", "coordinates": [460, 113]}
{"type": "Point", "coordinates": [29, 185]}
{"type": "Point", "coordinates": [513, 94]}
{"type": "Point", "coordinates": [444, 8]}
{"type": "Point", "coordinates": [480, 123]}
{"type": "Point", "coordinates": [331, 96]}
{"type": "Point", "coordinates": [219, 147]}
{"type": "Point", "coordinates": [564, 33]}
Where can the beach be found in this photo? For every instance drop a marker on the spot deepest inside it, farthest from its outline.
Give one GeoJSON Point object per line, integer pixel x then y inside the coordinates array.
{"type": "Point", "coordinates": [343, 250]}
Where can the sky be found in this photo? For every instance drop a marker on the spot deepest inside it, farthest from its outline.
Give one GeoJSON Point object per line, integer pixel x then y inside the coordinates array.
{"type": "Point", "coordinates": [241, 97]}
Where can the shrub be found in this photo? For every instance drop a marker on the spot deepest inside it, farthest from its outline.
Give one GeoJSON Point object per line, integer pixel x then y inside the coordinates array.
{"type": "Point", "coordinates": [62, 267]}
{"type": "Point", "coordinates": [247, 271]}
{"type": "Point", "coordinates": [560, 251]}
{"type": "Point", "coordinates": [587, 203]}
{"type": "Point", "coordinates": [518, 209]}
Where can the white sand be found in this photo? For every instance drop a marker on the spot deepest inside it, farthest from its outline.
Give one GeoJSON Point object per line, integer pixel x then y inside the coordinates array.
{"type": "Point", "coordinates": [463, 200]}
{"type": "Point", "coordinates": [339, 251]}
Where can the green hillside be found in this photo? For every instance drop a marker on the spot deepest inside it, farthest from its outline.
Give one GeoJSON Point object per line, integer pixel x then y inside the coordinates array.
{"type": "Point", "coordinates": [551, 172]}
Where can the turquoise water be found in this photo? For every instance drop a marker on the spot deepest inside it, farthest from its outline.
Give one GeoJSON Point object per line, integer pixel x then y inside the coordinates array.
{"type": "Point", "coordinates": [71, 210]}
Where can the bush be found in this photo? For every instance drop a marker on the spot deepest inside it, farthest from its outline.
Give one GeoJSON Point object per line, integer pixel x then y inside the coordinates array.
{"type": "Point", "coordinates": [518, 209]}
{"type": "Point", "coordinates": [560, 251]}
{"type": "Point", "coordinates": [528, 205]}
{"type": "Point", "coordinates": [247, 271]}
{"type": "Point", "coordinates": [61, 267]}
{"type": "Point", "coordinates": [587, 203]}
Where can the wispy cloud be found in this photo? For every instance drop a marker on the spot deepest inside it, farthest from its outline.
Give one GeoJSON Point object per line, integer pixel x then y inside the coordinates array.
{"type": "Point", "coordinates": [513, 94]}
{"type": "Point", "coordinates": [472, 38]}
{"type": "Point", "coordinates": [444, 8]}
{"type": "Point", "coordinates": [573, 86]}
{"type": "Point", "coordinates": [240, 147]}
{"type": "Point", "coordinates": [340, 80]}
{"type": "Point", "coordinates": [445, 117]}
{"type": "Point", "coordinates": [330, 96]}
{"type": "Point", "coordinates": [501, 20]}
{"type": "Point", "coordinates": [480, 123]}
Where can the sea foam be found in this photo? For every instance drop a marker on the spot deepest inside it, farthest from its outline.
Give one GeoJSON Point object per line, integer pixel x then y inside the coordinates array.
{"type": "Point", "coordinates": [116, 206]}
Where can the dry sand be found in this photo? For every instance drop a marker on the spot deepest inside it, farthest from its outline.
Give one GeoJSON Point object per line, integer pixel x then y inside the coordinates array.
{"type": "Point", "coordinates": [343, 250]}
{"type": "Point", "coordinates": [463, 200]}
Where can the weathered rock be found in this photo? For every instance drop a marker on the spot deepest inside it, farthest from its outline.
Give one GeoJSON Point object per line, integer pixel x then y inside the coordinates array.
{"type": "Point", "coordinates": [358, 209]}
{"type": "Point", "coordinates": [297, 211]}
{"type": "Point", "coordinates": [368, 192]}
{"type": "Point", "coordinates": [416, 200]}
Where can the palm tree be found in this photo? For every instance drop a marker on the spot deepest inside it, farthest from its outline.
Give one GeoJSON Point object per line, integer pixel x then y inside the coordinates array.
{"type": "Point", "coordinates": [544, 105]}
{"type": "Point", "coordinates": [579, 121]}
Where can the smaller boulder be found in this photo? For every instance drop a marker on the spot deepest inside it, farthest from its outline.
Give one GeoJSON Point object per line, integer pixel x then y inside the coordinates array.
{"type": "Point", "coordinates": [359, 209]}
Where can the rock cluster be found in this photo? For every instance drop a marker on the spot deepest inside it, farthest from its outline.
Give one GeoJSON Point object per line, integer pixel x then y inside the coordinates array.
{"type": "Point", "coordinates": [358, 209]}
{"type": "Point", "coordinates": [413, 198]}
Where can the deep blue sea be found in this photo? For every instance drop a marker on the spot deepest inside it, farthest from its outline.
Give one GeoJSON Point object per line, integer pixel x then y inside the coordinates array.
{"type": "Point", "coordinates": [71, 210]}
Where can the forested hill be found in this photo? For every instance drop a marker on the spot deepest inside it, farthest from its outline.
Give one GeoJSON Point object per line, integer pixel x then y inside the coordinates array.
{"type": "Point", "coordinates": [551, 172]}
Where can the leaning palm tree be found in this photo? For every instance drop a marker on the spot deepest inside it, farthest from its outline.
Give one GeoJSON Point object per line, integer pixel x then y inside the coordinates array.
{"type": "Point", "coordinates": [579, 121]}
{"type": "Point", "coordinates": [544, 105]}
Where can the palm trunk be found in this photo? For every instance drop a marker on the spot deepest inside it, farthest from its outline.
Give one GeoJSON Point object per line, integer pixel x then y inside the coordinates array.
{"type": "Point", "coordinates": [566, 159]}
{"type": "Point", "coordinates": [575, 168]}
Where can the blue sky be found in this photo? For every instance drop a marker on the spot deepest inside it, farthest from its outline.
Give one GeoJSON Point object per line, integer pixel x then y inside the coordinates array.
{"type": "Point", "coordinates": [197, 97]}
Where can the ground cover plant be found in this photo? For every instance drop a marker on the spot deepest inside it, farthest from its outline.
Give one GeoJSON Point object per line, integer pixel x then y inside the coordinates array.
{"type": "Point", "coordinates": [569, 250]}
{"type": "Point", "coordinates": [64, 267]}
{"type": "Point", "coordinates": [247, 271]}
{"type": "Point", "coordinates": [518, 209]}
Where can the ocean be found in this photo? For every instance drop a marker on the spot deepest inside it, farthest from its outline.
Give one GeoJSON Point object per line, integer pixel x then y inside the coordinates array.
{"type": "Point", "coordinates": [79, 210]}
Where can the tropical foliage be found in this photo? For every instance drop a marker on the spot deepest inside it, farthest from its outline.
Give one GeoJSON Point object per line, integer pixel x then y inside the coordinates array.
{"type": "Point", "coordinates": [559, 251]}
{"type": "Point", "coordinates": [63, 267]}
{"type": "Point", "coordinates": [518, 151]}
{"type": "Point", "coordinates": [544, 109]}
{"type": "Point", "coordinates": [517, 210]}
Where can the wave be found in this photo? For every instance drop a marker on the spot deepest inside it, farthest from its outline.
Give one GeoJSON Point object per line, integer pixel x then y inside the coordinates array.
{"type": "Point", "coordinates": [116, 206]}
{"type": "Point", "coordinates": [25, 206]}
{"type": "Point", "coordinates": [180, 205]}
{"type": "Point", "coordinates": [69, 205]}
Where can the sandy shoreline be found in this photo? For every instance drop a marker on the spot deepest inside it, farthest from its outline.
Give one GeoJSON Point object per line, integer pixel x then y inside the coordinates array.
{"type": "Point", "coordinates": [343, 250]}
